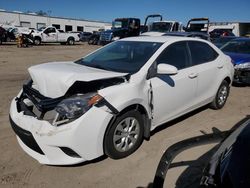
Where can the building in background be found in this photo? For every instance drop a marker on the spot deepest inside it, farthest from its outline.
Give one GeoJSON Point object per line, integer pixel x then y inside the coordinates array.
{"type": "Point", "coordinates": [34, 21]}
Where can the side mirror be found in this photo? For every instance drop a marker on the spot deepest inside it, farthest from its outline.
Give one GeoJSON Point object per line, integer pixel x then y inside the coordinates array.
{"type": "Point", "coordinates": [166, 69]}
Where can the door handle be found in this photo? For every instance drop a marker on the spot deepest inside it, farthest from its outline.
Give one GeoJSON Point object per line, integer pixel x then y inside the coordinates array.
{"type": "Point", "coordinates": [193, 75]}
{"type": "Point", "coordinates": [220, 66]}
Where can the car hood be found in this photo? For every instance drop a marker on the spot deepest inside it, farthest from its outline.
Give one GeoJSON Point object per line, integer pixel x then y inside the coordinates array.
{"type": "Point", "coordinates": [54, 79]}
{"type": "Point", "coordinates": [239, 58]}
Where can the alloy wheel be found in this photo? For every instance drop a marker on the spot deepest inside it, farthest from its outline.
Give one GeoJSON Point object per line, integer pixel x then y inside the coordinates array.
{"type": "Point", "coordinates": [126, 134]}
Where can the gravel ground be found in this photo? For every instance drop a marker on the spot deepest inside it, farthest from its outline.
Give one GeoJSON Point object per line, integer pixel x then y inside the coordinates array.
{"type": "Point", "coordinates": [17, 169]}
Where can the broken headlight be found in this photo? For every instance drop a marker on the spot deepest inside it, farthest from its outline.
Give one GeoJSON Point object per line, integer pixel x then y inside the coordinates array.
{"type": "Point", "coordinates": [74, 107]}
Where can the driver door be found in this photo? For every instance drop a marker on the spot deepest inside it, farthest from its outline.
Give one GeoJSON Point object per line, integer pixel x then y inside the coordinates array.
{"type": "Point", "coordinates": [50, 35]}
{"type": "Point", "coordinates": [173, 95]}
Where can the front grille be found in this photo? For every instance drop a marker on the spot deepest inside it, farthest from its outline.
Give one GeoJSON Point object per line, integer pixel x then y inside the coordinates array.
{"type": "Point", "coordinates": [26, 137]}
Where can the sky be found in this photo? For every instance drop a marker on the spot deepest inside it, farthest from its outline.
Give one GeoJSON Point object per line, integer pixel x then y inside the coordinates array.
{"type": "Point", "coordinates": [107, 10]}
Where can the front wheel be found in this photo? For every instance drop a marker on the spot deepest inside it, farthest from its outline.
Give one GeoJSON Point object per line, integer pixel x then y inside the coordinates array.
{"type": "Point", "coordinates": [37, 41]}
{"type": "Point", "coordinates": [221, 96]}
{"type": "Point", "coordinates": [124, 136]}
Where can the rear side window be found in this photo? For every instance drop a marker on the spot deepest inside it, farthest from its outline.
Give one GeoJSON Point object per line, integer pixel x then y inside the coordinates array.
{"type": "Point", "coordinates": [201, 52]}
{"type": "Point", "coordinates": [176, 54]}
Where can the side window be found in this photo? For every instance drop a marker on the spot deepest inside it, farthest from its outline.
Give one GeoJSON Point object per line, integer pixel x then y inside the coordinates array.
{"type": "Point", "coordinates": [176, 54]}
{"type": "Point", "coordinates": [53, 30]}
{"type": "Point", "coordinates": [50, 30]}
{"type": "Point", "coordinates": [201, 52]}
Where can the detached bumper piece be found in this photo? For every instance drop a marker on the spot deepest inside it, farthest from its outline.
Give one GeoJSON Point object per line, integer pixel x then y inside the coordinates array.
{"type": "Point", "coordinates": [242, 76]}
{"type": "Point", "coordinates": [26, 137]}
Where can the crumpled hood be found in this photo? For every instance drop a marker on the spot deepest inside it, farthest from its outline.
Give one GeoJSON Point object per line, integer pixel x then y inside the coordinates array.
{"type": "Point", "coordinates": [239, 58]}
{"type": "Point", "coordinates": [54, 79]}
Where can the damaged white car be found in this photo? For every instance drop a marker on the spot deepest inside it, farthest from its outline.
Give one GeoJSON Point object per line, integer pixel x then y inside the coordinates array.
{"type": "Point", "coordinates": [110, 100]}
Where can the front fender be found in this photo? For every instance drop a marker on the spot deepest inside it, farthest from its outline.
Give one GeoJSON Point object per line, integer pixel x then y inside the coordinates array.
{"type": "Point", "coordinates": [126, 94]}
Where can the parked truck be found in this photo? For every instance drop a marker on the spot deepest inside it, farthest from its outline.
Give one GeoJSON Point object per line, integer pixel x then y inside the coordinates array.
{"type": "Point", "coordinates": [158, 28]}
{"type": "Point", "coordinates": [121, 28]}
{"type": "Point", "coordinates": [52, 35]}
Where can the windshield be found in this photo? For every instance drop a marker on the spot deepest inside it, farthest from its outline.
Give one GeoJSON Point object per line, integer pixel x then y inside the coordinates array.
{"type": "Point", "coordinates": [120, 24]}
{"type": "Point", "coordinates": [161, 26]}
{"type": "Point", "coordinates": [237, 46]}
{"type": "Point", "coordinates": [41, 28]}
{"type": "Point", "coordinates": [121, 56]}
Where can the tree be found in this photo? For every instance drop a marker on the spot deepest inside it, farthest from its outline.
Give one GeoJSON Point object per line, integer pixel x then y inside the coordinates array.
{"type": "Point", "coordinates": [41, 13]}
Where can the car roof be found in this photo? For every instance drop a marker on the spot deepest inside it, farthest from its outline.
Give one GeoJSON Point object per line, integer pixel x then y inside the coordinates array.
{"type": "Point", "coordinates": [161, 39]}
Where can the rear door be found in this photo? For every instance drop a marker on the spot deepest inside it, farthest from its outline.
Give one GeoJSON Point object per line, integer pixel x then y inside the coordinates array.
{"type": "Point", "coordinates": [205, 64]}
{"type": "Point", "coordinates": [173, 94]}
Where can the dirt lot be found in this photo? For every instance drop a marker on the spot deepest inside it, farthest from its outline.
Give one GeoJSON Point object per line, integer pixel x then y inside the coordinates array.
{"type": "Point", "coordinates": [17, 169]}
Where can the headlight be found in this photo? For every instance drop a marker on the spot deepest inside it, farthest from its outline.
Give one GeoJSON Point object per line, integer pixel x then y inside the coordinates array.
{"type": "Point", "coordinates": [74, 107]}
{"type": "Point", "coordinates": [242, 66]}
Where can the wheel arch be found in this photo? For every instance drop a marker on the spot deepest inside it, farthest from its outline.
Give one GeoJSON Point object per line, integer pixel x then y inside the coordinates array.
{"type": "Point", "coordinates": [228, 79]}
{"type": "Point", "coordinates": [38, 37]}
{"type": "Point", "coordinates": [71, 37]}
{"type": "Point", "coordinates": [136, 107]}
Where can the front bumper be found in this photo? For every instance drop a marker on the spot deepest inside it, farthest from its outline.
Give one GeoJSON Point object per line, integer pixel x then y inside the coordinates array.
{"type": "Point", "coordinates": [72, 143]}
{"type": "Point", "coordinates": [242, 76]}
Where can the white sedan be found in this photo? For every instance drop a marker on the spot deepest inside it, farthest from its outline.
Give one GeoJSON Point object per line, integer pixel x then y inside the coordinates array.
{"type": "Point", "coordinates": [110, 100]}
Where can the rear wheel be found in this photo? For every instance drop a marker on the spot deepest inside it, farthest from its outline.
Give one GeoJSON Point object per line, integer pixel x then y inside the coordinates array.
{"type": "Point", "coordinates": [71, 41]}
{"type": "Point", "coordinates": [221, 96]}
{"type": "Point", "coordinates": [90, 41]}
{"type": "Point", "coordinates": [125, 135]}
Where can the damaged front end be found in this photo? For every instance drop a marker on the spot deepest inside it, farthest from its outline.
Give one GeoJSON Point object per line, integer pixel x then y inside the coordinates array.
{"type": "Point", "coordinates": [79, 98]}
{"type": "Point", "coordinates": [58, 131]}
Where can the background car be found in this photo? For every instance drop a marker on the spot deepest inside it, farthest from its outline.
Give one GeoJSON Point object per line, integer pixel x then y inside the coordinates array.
{"type": "Point", "coordinates": [220, 41]}
{"type": "Point", "coordinates": [2, 35]}
{"type": "Point", "coordinates": [94, 39]}
{"type": "Point", "coordinates": [228, 163]}
{"type": "Point", "coordinates": [84, 36]}
{"type": "Point", "coordinates": [199, 35]}
{"type": "Point", "coordinates": [220, 32]}
{"type": "Point", "coordinates": [239, 51]}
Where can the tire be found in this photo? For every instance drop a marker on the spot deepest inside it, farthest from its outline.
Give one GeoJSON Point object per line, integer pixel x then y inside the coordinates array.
{"type": "Point", "coordinates": [8, 39]}
{"type": "Point", "coordinates": [90, 42]}
{"type": "Point", "coordinates": [37, 41]}
{"type": "Point", "coordinates": [70, 41]}
{"type": "Point", "coordinates": [124, 136]}
{"type": "Point", "coordinates": [221, 96]}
